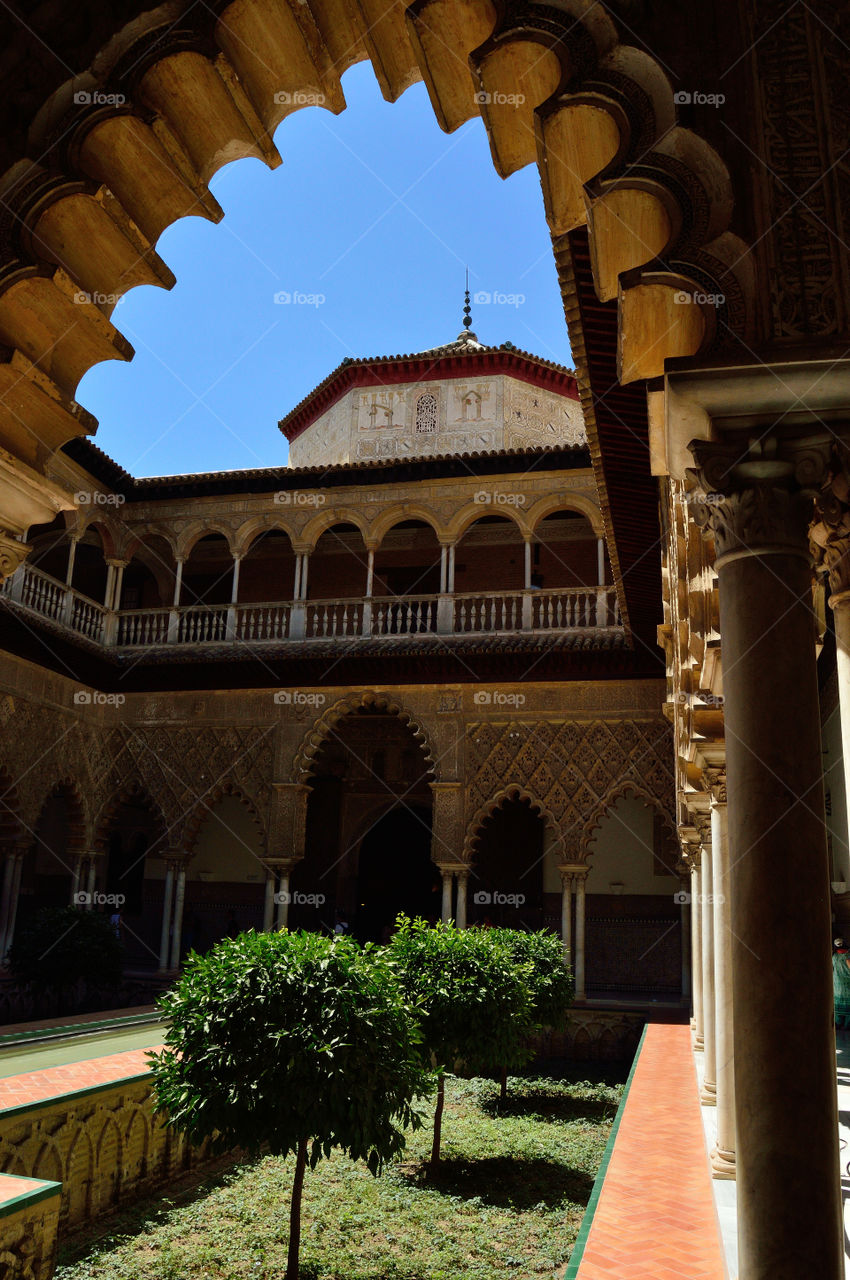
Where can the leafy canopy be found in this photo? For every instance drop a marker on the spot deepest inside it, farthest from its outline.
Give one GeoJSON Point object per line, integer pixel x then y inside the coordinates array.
{"type": "Point", "coordinates": [281, 1038]}
{"type": "Point", "coordinates": [471, 995]}
{"type": "Point", "coordinates": [550, 980]}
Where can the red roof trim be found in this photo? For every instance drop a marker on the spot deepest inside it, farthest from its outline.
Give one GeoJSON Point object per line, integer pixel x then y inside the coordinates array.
{"type": "Point", "coordinates": [382, 373]}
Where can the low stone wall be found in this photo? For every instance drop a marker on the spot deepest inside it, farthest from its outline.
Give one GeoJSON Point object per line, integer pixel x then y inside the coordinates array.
{"type": "Point", "coordinates": [103, 1144]}
{"type": "Point", "coordinates": [593, 1035]}
{"type": "Point", "coordinates": [29, 1223]}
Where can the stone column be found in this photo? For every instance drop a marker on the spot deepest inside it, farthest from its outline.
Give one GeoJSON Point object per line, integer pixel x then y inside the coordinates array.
{"type": "Point", "coordinates": [462, 881]}
{"type": "Point", "coordinates": [578, 967]}
{"type": "Point", "coordinates": [76, 875]}
{"type": "Point", "coordinates": [723, 1155]}
{"type": "Point", "coordinates": [446, 911]}
{"type": "Point", "coordinates": [268, 906]}
{"type": "Point", "coordinates": [179, 896]}
{"type": "Point", "coordinates": [789, 1194]}
{"type": "Point", "coordinates": [831, 538]}
{"type": "Point", "coordinates": [693, 858]}
{"type": "Point", "coordinates": [91, 886]}
{"type": "Point", "coordinates": [566, 908]}
{"type": "Point", "coordinates": [708, 1095]}
{"type": "Point", "coordinates": [282, 898]}
{"type": "Point", "coordinates": [9, 905]}
{"type": "Point", "coordinates": [165, 933]}
{"type": "Point", "coordinates": [685, 912]}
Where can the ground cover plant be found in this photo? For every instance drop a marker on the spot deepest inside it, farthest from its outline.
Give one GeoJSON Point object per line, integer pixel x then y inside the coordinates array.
{"type": "Point", "coordinates": [506, 1203]}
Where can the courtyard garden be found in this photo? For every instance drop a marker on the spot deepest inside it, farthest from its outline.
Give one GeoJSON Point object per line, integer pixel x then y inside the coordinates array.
{"type": "Point", "coordinates": [507, 1202]}
{"type": "Point", "coordinates": [388, 1121]}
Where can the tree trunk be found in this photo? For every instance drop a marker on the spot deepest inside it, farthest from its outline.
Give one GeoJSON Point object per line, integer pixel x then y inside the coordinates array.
{"type": "Point", "coordinates": [438, 1122]}
{"type": "Point", "coordinates": [503, 1092]}
{"type": "Point", "coordinates": [295, 1213]}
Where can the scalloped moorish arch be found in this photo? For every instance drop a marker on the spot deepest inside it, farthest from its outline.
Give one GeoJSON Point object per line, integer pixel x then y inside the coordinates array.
{"type": "Point", "coordinates": [206, 807]}
{"type": "Point", "coordinates": [305, 757]}
{"type": "Point", "coordinates": [512, 792]}
{"type": "Point", "coordinates": [598, 116]}
{"type": "Point", "coordinates": [79, 818]}
{"type": "Point", "coordinates": [625, 787]}
{"type": "Point", "coordinates": [128, 794]}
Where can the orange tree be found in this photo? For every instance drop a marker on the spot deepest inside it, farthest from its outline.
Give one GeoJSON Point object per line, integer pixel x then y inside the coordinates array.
{"type": "Point", "coordinates": [471, 995]}
{"type": "Point", "coordinates": [291, 1043]}
{"type": "Point", "coordinates": [550, 983]}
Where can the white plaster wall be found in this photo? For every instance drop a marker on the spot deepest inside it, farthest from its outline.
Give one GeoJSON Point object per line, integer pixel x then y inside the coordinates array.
{"type": "Point", "coordinates": [623, 851]}
{"type": "Point", "coordinates": [473, 414]}
{"type": "Point", "coordinates": [228, 847]}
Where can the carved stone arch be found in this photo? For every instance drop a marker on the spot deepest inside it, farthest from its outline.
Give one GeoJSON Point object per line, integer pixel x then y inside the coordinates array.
{"type": "Point", "coordinates": [192, 534]}
{"type": "Point", "coordinates": [305, 757]}
{"type": "Point", "coordinates": [79, 815]}
{"type": "Point", "coordinates": [152, 529]}
{"type": "Point", "coordinates": [136, 1147]}
{"type": "Point", "coordinates": [326, 519]}
{"type": "Point", "coordinates": [79, 1166]}
{"type": "Point", "coordinates": [206, 806]}
{"type": "Point", "coordinates": [109, 1153]}
{"type": "Point", "coordinates": [109, 537]}
{"type": "Point", "coordinates": [634, 788]}
{"type": "Point", "coordinates": [468, 514]}
{"type": "Point", "coordinates": [251, 530]}
{"type": "Point", "coordinates": [47, 1163]}
{"type": "Point", "coordinates": [548, 505]}
{"type": "Point", "coordinates": [194, 95]}
{"type": "Point", "coordinates": [405, 511]}
{"type": "Point", "coordinates": [129, 792]}
{"type": "Point", "coordinates": [513, 791]}
{"type": "Point", "coordinates": [12, 1162]}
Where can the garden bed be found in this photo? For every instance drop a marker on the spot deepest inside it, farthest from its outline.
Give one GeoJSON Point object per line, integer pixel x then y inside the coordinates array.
{"type": "Point", "coordinates": [508, 1201]}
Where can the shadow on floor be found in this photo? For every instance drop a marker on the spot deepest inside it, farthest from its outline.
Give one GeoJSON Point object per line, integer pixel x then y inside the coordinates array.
{"type": "Point", "coordinates": [509, 1182]}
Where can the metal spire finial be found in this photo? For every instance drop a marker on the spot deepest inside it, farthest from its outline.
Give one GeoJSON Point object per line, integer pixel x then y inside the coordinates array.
{"type": "Point", "coordinates": [467, 312]}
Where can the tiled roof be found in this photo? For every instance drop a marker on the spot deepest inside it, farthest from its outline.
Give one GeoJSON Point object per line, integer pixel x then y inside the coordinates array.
{"type": "Point", "coordinates": [261, 479]}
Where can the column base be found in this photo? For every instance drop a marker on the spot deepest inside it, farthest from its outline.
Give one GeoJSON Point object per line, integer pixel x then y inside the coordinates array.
{"type": "Point", "coordinates": [699, 1043]}
{"type": "Point", "coordinates": [708, 1094]}
{"type": "Point", "coordinates": [693, 1024]}
{"type": "Point", "coordinates": [722, 1164]}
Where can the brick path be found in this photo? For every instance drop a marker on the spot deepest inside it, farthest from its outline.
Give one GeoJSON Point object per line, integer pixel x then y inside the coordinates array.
{"type": "Point", "coordinates": [655, 1219]}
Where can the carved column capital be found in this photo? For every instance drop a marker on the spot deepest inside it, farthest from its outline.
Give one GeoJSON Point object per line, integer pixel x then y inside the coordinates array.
{"type": "Point", "coordinates": [756, 496]}
{"type": "Point", "coordinates": [714, 781]}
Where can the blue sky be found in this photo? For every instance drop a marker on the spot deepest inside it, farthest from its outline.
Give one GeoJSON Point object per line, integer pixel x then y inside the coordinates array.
{"type": "Point", "coordinates": [369, 222]}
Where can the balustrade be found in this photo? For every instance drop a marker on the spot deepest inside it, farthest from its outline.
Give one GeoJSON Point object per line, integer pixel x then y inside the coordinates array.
{"type": "Point", "coordinates": [474, 613]}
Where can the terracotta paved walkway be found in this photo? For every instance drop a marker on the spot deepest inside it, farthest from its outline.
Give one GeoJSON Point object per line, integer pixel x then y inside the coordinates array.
{"type": "Point", "coordinates": [655, 1219]}
{"type": "Point", "coordinates": [35, 1086]}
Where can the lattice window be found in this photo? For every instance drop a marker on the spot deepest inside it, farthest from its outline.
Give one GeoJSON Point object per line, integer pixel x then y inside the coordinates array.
{"type": "Point", "coordinates": [426, 413]}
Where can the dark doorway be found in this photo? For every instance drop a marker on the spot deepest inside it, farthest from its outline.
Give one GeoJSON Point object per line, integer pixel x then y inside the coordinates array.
{"type": "Point", "coordinates": [506, 887]}
{"type": "Point", "coordinates": [396, 873]}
